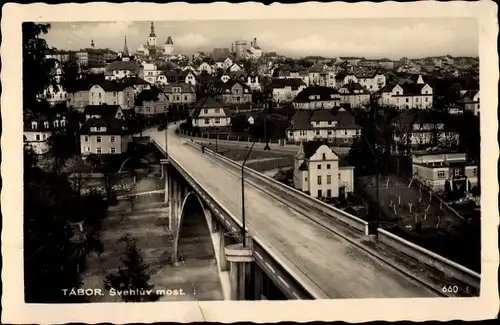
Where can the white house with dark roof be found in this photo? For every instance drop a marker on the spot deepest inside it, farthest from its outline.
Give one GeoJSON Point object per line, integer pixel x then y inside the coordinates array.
{"type": "Point", "coordinates": [121, 69]}
{"type": "Point", "coordinates": [204, 66]}
{"type": "Point", "coordinates": [284, 90]}
{"type": "Point", "coordinates": [210, 116]}
{"type": "Point", "coordinates": [104, 135]}
{"type": "Point", "coordinates": [319, 171]}
{"type": "Point", "coordinates": [37, 130]}
{"type": "Point", "coordinates": [354, 94]}
{"type": "Point", "coordinates": [112, 93]}
{"type": "Point", "coordinates": [149, 72]}
{"type": "Point", "coordinates": [371, 81]}
{"type": "Point", "coordinates": [336, 127]}
{"type": "Point", "coordinates": [407, 96]}
{"type": "Point", "coordinates": [317, 97]}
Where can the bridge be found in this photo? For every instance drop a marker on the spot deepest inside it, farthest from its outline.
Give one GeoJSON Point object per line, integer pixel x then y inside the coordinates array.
{"type": "Point", "coordinates": [294, 247]}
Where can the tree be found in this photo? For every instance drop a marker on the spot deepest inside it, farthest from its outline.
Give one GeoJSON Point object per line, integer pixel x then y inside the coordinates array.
{"type": "Point", "coordinates": [37, 67]}
{"type": "Point", "coordinates": [134, 275]}
{"type": "Point", "coordinates": [50, 264]}
{"type": "Point", "coordinates": [72, 75]}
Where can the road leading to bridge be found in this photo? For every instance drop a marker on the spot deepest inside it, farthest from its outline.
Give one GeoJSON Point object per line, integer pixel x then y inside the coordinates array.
{"type": "Point", "coordinates": [338, 267]}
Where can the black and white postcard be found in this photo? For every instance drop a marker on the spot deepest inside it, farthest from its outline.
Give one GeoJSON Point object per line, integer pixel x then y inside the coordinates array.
{"type": "Point", "coordinates": [187, 162]}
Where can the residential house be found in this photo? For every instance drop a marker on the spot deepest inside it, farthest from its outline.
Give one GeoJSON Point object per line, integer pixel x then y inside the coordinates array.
{"type": "Point", "coordinates": [37, 131]}
{"type": "Point", "coordinates": [149, 72]}
{"type": "Point", "coordinates": [180, 93]}
{"type": "Point", "coordinates": [422, 129]}
{"type": "Point", "coordinates": [371, 81]}
{"type": "Point", "coordinates": [55, 94]}
{"type": "Point", "coordinates": [407, 96]}
{"type": "Point", "coordinates": [317, 97]}
{"type": "Point", "coordinates": [319, 171]}
{"type": "Point", "coordinates": [210, 116]}
{"type": "Point", "coordinates": [225, 77]}
{"type": "Point", "coordinates": [355, 95]}
{"type": "Point", "coordinates": [121, 69]}
{"type": "Point", "coordinates": [204, 66]}
{"type": "Point", "coordinates": [235, 67]}
{"type": "Point", "coordinates": [104, 135]}
{"type": "Point", "coordinates": [469, 101]}
{"type": "Point", "coordinates": [112, 93]}
{"type": "Point", "coordinates": [337, 127]}
{"type": "Point", "coordinates": [190, 78]}
{"type": "Point", "coordinates": [235, 92]}
{"type": "Point", "coordinates": [435, 168]}
{"type": "Point", "coordinates": [253, 82]}
{"type": "Point", "coordinates": [285, 90]}
{"type": "Point", "coordinates": [151, 102]}
{"type": "Point", "coordinates": [103, 111]}
{"type": "Point", "coordinates": [315, 74]}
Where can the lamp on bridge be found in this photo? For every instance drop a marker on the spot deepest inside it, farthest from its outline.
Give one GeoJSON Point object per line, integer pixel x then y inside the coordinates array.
{"type": "Point", "coordinates": [243, 216]}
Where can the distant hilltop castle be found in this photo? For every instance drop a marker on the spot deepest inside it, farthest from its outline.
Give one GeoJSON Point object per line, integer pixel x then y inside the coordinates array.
{"type": "Point", "coordinates": [152, 49]}
{"type": "Point", "coordinates": [240, 50]}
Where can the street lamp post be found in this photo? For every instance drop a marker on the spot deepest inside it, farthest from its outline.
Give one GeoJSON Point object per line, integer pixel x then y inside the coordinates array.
{"type": "Point", "coordinates": [265, 129]}
{"type": "Point", "coordinates": [243, 216]}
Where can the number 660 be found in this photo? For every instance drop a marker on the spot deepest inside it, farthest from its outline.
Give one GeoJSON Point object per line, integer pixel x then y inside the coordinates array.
{"type": "Point", "coordinates": [450, 289]}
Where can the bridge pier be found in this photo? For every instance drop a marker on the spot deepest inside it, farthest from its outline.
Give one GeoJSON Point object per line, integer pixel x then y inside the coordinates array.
{"type": "Point", "coordinates": [224, 266]}
{"type": "Point", "coordinates": [240, 273]}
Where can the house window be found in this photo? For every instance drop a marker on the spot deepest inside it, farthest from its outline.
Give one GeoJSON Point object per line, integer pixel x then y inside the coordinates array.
{"type": "Point", "coordinates": [205, 111]}
{"type": "Point", "coordinates": [329, 132]}
{"type": "Point", "coordinates": [328, 179]}
{"type": "Point", "coordinates": [320, 193]}
{"type": "Point", "coordinates": [329, 122]}
{"type": "Point", "coordinates": [217, 120]}
{"type": "Point", "coordinates": [328, 166]}
{"type": "Point", "coordinates": [217, 110]}
{"type": "Point", "coordinates": [407, 100]}
{"type": "Point", "coordinates": [317, 132]}
{"type": "Point", "coordinates": [441, 174]}
{"type": "Point", "coordinates": [98, 150]}
{"type": "Point", "coordinates": [33, 125]}
{"type": "Point", "coordinates": [86, 139]}
{"type": "Point", "coordinates": [319, 180]}
{"type": "Point", "coordinates": [37, 137]}
{"type": "Point", "coordinates": [328, 193]}
{"type": "Point", "coordinates": [339, 177]}
{"type": "Point", "coordinates": [474, 171]}
{"type": "Point", "coordinates": [207, 121]}
{"type": "Point", "coordinates": [345, 132]}
{"type": "Point", "coordinates": [98, 139]}
{"type": "Point", "coordinates": [319, 166]}
{"type": "Point", "coordinates": [112, 139]}
{"type": "Point", "coordinates": [457, 172]}
{"type": "Point", "coordinates": [112, 150]}
{"type": "Point", "coordinates": [324, 156]}
{"type": "Point", "coordinates": [56, 124]}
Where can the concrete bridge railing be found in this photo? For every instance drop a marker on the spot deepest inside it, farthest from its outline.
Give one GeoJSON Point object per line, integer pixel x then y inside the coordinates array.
{"type": "Point", "coordinates": [431, 259]}
{"type": "Point", "coordinates": [335, 213]}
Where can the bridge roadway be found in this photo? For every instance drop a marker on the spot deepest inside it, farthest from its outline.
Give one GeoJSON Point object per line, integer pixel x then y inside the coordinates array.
{"type": "Point", "coordinates": [339, 268]}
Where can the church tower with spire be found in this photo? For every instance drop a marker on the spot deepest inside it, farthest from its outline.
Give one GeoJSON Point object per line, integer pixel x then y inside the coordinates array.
{"type": "Point", "coordinates": [125, 54]}
{"type": "Point", "coordinates": [152, 36]}
{"type": "Point", "coordinates": [169, 46]}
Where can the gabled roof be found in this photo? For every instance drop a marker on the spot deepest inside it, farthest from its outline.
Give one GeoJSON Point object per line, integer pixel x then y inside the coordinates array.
{"type": "Point", "coordinates": [238, 74]}
{"type": "Point", "coordinates": [318, 67]}
{"type": "Point", "coordinates": [207, 102]}
{"type": "Point", "coordinates": [412, 89]}
{"type": "Point", "coordinates": [123, 65]}
{"type": "Point", "coordinates": [294, 83]}
{"type": "Point", "coordinates": [302, 119]}
{"type": "Point", "coordinates": [322, 115]}
{"type": "Point", "coordinates": [323, 92]}
{"type": "Point", "coordinates": [102, 110]}
{"type": "Point", "coordinates": [228, 85]}
{"type": "Point", "coordinates": [110, 85]}
{"type": "Point", "coordinates": [113, 126]}
{"type": "Point", "coordinates": [310, 147]}
{"type": "Point", "coordinates": [169, 41]}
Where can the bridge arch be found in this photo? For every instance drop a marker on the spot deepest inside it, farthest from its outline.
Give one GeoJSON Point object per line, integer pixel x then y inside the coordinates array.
{"type": "Point", "coordinates": [193, 239]}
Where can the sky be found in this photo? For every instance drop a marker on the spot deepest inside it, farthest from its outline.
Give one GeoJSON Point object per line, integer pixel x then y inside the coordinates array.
{"type": "Point", "coordinates": [370, 38]}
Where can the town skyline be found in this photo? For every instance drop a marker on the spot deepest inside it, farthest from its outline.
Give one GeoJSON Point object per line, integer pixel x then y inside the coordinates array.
{"type": "Point", "coordinates": [369, 38]}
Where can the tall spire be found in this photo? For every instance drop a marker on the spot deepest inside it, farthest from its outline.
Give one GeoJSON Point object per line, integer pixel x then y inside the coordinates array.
{"type": "Point", "coordinates": [152, 34]}
{"type": "Point", "coordinates": [125, 48]}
